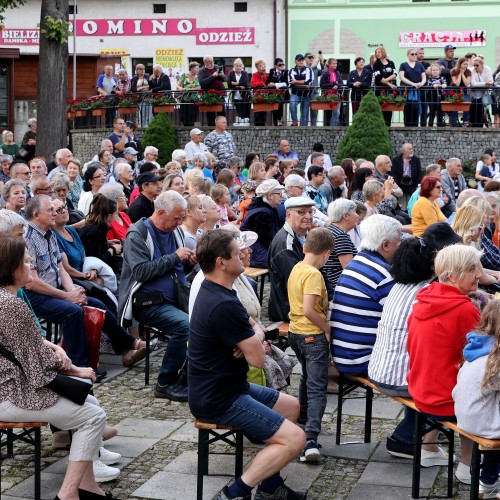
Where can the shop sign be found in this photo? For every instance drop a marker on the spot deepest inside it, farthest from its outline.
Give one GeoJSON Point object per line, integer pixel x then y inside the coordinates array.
{"type": "Point", "coordinates": [19, 36]}
{"type": "Point", "coordinates": [464, 38]}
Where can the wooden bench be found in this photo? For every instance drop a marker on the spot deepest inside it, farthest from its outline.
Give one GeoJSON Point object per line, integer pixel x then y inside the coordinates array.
{"type": "Point", "coordinates": [256, 273]}
{"type": "Point", "coordinates": [480, 445]}
{"type": "Point", "coordinates": [31, 434]}
{"type": "Point", "coordinates": [206, 436]}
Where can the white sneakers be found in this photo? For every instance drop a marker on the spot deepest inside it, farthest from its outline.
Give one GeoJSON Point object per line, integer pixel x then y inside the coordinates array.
{"type": "Point", "coordinates": [489, 490]}
{"type": "Point", "coordinates": [463, 473]}
{"type": "Point", "coordinates": [241, 122]}
{"type": "Point", "coordinates": [102, 472]}
{"type": "Point", "coordinates": [434, 458]}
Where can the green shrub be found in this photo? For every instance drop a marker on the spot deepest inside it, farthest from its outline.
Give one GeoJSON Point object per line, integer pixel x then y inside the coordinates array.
{"type": "Point", "coordinates": [161, 134]}
{"type": "Point", "coordinates": [368, 135]}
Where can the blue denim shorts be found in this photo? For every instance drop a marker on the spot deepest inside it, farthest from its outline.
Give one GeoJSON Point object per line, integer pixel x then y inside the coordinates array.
{"type": "Point", "coordinates": [253, 412]}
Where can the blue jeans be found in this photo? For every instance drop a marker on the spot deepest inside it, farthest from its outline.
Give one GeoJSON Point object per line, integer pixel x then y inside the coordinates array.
{"type": "Point", "coordinates": [70, 317]}
{"type": "Point", "coordinates": [254, 413]}
{"type": "Point", "coordinates": [314, 358]}
{"type": "Point", "coordinates": [305, 103]}
{"type": "Point", "coordinates": [175, 323]}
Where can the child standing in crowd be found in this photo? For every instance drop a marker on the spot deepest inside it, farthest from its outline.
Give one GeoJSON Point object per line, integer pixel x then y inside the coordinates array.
{"type": "Point", "coordinates": [248, 190]}
{"type": "Point", "coordinates": [436, 83]}
{"type": "Point", "coordinates": [477, 393]}
{"type": "Point", "coordinates": [222, 198]}
{"type": "Point", "coordinates": [309, 334]}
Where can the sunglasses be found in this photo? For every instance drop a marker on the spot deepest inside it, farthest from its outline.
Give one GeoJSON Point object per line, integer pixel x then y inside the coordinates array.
{"type": "Point", "coordinates": [281, 64]}
{"type": "Point", "coordinates": [413, 53]}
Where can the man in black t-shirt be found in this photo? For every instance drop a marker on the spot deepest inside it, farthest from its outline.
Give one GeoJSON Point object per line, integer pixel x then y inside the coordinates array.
{"type": "Point", "coordinates": [222, 341]}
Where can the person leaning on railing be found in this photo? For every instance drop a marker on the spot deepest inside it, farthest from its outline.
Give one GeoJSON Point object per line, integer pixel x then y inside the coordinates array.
{"type": "Point", "coordinates": [189, 82]}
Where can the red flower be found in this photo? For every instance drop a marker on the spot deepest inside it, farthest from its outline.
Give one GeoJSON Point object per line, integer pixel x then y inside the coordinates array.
{"type": "Point", "coordinates": [452, 92]}
{"type": "Point", "coordinates": [382, 92]}
{"type": "Point", "coordinates": [260, 98]}
{"type": "Point", "coordinates": [394, 94]}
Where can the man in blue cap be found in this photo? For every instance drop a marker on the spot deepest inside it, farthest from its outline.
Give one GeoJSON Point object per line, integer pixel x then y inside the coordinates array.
{"type": "Point", "coordinates": [300, 79]}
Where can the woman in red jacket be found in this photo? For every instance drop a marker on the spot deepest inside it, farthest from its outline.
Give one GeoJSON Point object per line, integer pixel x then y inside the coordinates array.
{"type": "Point", "coordinates": [442, 316]}
{"type": "Point", "coordinates": [259, 82]}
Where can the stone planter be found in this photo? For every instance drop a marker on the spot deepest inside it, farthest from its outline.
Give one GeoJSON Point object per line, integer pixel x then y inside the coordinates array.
{"type": "Point", "coordinates": [324, 106]}
{"type": "Point", "coordinates": [455, 106]}
{"type": "Point", "coordinates": [258, 108]}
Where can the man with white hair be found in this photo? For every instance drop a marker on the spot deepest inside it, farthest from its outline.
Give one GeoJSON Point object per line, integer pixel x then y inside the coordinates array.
{"type": "Point", "coordinates": [38, 166]}
{"type": "Point", "coordinates": [159, 81]}
{"type": "Point", "coordinates": [211, 77]}
{"type": "Point", "coordinates": [195, 145]}
{"type": "Point", "coordinates": [62, 158]}
{"type": "Point", "coordinates": [407, 172]}
{"type": "Point", "coordinates": [452, 179]}
{"type": "Point", "coordinates": [154, 255]}
{"type": "Point", "coordinates": [150, 156]}
{"type": "Point", "coordinates": [361, 292]}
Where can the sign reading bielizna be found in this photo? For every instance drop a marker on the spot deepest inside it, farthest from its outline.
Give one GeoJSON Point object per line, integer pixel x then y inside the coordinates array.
{"type": "Point", "coordinates": [139, 27]}
{"type": "Point", "coordinates": [466, 38]}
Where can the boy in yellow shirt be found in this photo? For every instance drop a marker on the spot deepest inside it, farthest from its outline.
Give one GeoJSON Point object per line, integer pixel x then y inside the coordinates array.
{"type": "Point", "coordinates": [309, 334]}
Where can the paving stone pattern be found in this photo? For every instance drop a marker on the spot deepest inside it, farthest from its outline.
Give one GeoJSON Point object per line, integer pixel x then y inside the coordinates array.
{"type": "Point", "coordinates": [157, 441]}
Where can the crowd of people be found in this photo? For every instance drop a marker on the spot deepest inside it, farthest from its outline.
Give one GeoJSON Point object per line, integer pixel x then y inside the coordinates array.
{"type": "Point", "coordinates": [421, 83]}
{"type": "Point", "coordinates": [374, 265]}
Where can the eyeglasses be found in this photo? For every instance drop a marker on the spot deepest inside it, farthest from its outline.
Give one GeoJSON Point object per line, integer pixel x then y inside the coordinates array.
{"type": "Point", "coordinates": [98, 176]}
{"type": "Point", "coordinates": [303, 213]}
{"type": "Point", "coordinates": [25, 173]}
{"type": "Point", "coordinates": [413, 53]}
{"type": "Point", "coordinates": [310, 57]}
{"type": "Point", "coordinates": [62, 209]}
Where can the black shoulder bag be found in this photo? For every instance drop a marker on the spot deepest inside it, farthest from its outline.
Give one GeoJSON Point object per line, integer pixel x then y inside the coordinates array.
{"type": "Point", "coordinates": [68, 387]}
{"type": "Point", "coordinates": [181, 289]}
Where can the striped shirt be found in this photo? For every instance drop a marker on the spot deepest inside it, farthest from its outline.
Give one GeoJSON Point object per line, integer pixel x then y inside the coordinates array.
{"type": "Point", "coordinates": [390, 362]}
{"type": "Point", "coordinates": [359, 296]}
{"type": "Point", "coordinates": [343, 246]}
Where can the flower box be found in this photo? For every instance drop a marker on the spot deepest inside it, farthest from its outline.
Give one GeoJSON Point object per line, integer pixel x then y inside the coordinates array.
{"type": "Point", "coordinates": [210, 108]}
{"type": "Point", "coordinates": [70, 115]}
{"type": "Point", "coordinates": [81, 112]}
{"type": "Point", "coordinates": [258, 108]}
{"type": "Point", "coordinates": [392, 107]}
{"type": "Point", "coordinates": [127, 111]}
{"type": "Point", "coordinates": [455, 106]}
{"type": "Point", "coordinates": [324, 105]}
{"type": "Point", "coordinates": [163, 108]}
{"type": "Point", "coordinates": [99, 112]}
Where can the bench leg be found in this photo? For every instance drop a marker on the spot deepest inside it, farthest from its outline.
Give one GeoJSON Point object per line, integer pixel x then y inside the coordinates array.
{"type": "Point", "coordinates": [450, 435]}
{"type": "Point", "coordinates": [10, 443]}
{"type": "Point", "coordinates": [238, 460]}
{"type": "Point", "coordinates": [475, 471]}
{"type": "Point", "coordinates": [148, 351]}
{"type": "Point", "coordinates": [417, 453]}
{"type": "Point", "coordinates": [38, 465]}
{"type": "Point", "coordinates": [339, 408]}
{"type": "Point", "coordinates": [368, 414]}
{"type": "Point", "coordinates": [262, 283]}
{"type": "Point", "coordinates": [203, 436]}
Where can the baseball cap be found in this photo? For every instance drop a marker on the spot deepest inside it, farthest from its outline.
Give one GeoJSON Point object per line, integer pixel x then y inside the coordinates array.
{"type": "Point", "coordinates": [298, 57]}
{"type": "Point", "coordinates": [268, 186]}
{"type": "Point", "coordinates": [130, 151]}
{"type": "Point", "coordinates": [148, 177]}
{"type": "Point", "coordinates": [449, 47]}
{"type": "Point", "coordinates": [308, 54]}
{"type": "Point", "coordinates": [195, 131]}
{"type": "Point", "coordinates": [298, 201]}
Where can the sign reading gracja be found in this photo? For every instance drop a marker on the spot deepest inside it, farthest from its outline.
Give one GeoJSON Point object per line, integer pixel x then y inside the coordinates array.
{"type": "Point", "coordinates": [139, 27]}
{"type": "Point", "coordinates": [466, 38]}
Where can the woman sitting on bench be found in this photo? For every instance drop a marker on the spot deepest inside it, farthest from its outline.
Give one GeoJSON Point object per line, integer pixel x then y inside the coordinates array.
{"type": "Point", "coordinates": [442, 315]}
{"type": "Point", "coordinates": [477, 393]}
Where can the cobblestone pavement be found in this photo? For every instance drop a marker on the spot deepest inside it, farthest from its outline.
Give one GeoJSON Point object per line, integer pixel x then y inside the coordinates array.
{"type": "Point", "coordinates": [349, 471]}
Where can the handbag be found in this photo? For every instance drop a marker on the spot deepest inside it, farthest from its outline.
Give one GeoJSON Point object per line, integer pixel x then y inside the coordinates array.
{"type": "Point", "coordinates": [74, 389]}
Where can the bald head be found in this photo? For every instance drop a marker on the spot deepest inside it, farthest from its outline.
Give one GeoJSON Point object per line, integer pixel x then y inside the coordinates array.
{"type": "Point", "coordinates": [465, 195]}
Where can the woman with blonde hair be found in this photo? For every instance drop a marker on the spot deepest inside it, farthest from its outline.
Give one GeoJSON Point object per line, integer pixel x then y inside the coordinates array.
{"type": "Point", "coordinates": [195, 215]}
{"type": "Point", "coordinates": [257, 172]}
{"type": "Point", "coordinates": [173, 182]}
{"type": "Point", "coordinates": [373, 192]}
{"type": "Point", "coordinates": [199, 185]}
{"type": "Point", "coordinates": [189, 175]}
{"type": "Point", "coordinates": [385, 76]}
{"type": "Point", "coordinates": [238, 82]}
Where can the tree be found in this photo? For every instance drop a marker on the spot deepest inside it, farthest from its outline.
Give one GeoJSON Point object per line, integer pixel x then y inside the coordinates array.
{"type": "Point", "coordinates": [368, 135]}
{"type": "Point", "coordinates": [52, 77]}
{"type": "Point", "coordinates": [9, 4]}
{"type": "Point", "coordinates": [161, 134]}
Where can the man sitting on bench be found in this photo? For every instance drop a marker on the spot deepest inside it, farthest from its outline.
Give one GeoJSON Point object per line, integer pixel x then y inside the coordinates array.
{"type": "Point", "coordinates": [221, 345]}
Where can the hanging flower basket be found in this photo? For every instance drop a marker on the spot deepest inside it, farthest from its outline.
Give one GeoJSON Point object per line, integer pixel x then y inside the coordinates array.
{"type": "Point", "coordinates": [258, 108]}
{"type": "Point", "coordinates": [99, 112]}
{"type": "Point", "coordinates": [70, 115]}
{"type": "Point", "coordinates": [324, 106]}
{"type": "Point", "coordinates": [127, 111]}
{"type": "Point", "coordinates": [163, 108]}
{"type": "Point", "coordinates": [455, 106]}
{"type": "Point", "coordinates": [81, 112]}
{"type": "Point", "coordinates": [210, 108]}
{"type": "Point", "coordinates": [391, 107]}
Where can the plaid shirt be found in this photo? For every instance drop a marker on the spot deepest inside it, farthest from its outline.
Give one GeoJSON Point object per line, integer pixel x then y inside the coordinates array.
{"type": "Point", "coordinates": [43, 249]}
{"type": "Point", "coordinates": [123, 85]}
{"type": "Point", "coordinates": [491, 254]}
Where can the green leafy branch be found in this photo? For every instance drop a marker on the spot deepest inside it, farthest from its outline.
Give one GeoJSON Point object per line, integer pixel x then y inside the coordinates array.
{"type": "Point", "coordinates": [55, 29]}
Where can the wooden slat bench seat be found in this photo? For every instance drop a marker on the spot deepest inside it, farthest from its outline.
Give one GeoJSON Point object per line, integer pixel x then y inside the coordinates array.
{"type": "Point", "coordinates": [256, 273]}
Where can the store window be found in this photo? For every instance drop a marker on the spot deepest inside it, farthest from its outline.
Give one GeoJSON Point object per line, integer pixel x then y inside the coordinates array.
{"type": "Point", "coordinates": [240, 7]}
{"type": "Point", "coordinates": [148, 64]}
{"type": "Point", "coordinates": [159, 8]}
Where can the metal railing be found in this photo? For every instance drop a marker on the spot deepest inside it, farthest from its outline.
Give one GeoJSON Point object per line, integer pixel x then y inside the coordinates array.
{"type": "Point", "coordinates": [185, 110]}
